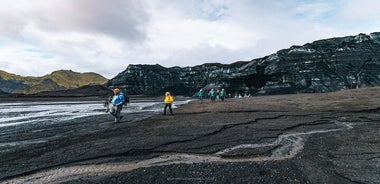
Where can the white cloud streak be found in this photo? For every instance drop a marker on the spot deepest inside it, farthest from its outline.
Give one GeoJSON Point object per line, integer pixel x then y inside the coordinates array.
{"type": "Point", "coordinates": [38, 37]}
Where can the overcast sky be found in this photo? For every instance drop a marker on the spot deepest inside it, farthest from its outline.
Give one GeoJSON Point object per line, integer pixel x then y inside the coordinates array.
{"type": "Point", "coordinates": [105, 36]}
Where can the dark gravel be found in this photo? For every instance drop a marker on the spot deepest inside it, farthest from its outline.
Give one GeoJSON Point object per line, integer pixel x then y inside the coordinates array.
{"type": "Point", "coordinates": [337, 134]}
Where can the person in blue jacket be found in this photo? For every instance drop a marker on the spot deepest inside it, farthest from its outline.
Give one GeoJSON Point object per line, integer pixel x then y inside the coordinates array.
{"type": "Point", "coordinates": [117, 101]}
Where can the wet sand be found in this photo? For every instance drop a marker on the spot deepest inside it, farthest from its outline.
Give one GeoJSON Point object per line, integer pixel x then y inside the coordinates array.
{"type": "Point", "coordinates": [304, 138]}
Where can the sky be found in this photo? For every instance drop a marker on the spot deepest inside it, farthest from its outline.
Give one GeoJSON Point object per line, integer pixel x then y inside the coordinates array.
{"type": "Point", "coordinates": [38, 37]}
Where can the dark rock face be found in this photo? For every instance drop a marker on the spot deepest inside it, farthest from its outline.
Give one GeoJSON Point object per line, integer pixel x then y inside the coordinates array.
{"type": "Point", "coordinates": [156, 79]}
{"type": "Point", "coordinates": [2, 93]}
{"type": "Point", "coordinates": [12, 85]}
{"type": "Point", "coordinates": [321, 66]}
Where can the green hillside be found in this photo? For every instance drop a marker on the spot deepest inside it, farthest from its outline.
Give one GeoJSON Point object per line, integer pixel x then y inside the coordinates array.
{"type": "Point", "coordinates": [70, 79]}
{"type": "Point", "coordinates": [57, 80]}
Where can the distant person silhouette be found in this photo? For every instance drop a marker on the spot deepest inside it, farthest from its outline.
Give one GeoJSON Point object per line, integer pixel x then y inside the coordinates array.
{"type": "Point", "coordinates": [201, 95]}
{"type": "Point", "coordinates": [107, 103]}
{"type": "Point", "coordinates": [223, 94]}
{"type": "Point", "coordinates": [212, 95]}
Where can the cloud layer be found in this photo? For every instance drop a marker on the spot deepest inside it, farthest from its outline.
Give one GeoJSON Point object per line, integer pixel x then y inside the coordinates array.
{"type": "Point", "coordinates": [38, 37]}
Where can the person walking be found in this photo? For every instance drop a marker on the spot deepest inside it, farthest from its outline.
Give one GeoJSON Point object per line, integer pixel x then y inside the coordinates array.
{"type": "Point", "coordinates": [223, 94]}
{"type": "Point", "coordinates": [212, 95]}
{"type": "Point", "coordinates": [201, 95]}
{"type": "Point", "coordinates": [117, 101]}
{"type": "Point", "coordinates": [169, 99]}
{"type": "Point", "coordinates": [107, 103]}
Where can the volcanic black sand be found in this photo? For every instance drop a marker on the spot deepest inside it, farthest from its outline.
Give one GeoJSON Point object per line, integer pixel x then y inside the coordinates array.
{"type": "Point", "coordinates": [304, 138]}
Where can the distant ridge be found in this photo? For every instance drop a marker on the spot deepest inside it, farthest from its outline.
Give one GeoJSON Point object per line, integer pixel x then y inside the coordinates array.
{"type": "Point", "coordinates": [84, 91]}
{"type": "Point", "coordinates": [57, 80]}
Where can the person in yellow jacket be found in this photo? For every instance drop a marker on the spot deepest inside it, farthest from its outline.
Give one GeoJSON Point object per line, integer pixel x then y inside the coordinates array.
{"type": "Point", "coordinates": [169, 99]}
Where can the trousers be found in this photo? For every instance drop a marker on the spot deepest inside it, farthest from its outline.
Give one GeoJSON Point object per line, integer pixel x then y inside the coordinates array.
{"type": "Point", "coordinates": [116, 111]}
{"type": "Point", "coordinates": [170, 108]}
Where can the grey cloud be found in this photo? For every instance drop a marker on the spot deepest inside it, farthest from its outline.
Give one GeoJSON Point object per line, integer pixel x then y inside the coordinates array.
{"type": "Point", "coordinates": [12, 19]}
{"type": "Point", "coordinates": [121, 19]}
{"type": "Point", "coordinates": [118, 18]}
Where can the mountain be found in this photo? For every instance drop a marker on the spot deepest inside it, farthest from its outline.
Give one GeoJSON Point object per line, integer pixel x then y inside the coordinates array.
{"type": "Point", "coordinates": [84, 91]}
{"type": "Point", "coordinates": [321, 66]}
{"type": "Point", "coordinates": [57, 80]}
{"type": "Point", "coordinates": [156, 79]}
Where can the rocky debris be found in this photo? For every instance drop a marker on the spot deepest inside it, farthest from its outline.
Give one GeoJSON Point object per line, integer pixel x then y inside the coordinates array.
{"type": "Point", "coordinates": [322, 66]}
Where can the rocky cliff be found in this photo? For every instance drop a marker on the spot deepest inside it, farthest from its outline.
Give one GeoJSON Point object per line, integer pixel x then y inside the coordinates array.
{"type": "Point", "coordinates": [58, 80]}
{"type": "Point", "coordinates": [156, 79]}
{"type": "Point", "coordinates": [321, 66]}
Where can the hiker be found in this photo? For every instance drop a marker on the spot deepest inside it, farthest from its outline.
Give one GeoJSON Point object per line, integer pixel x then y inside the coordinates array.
{"type": "Point", "coordinates": [212, 95]}
{"type": "Point", "coordinates": [169, 99]}
{"type": "Point", "coordinates": [118, 100]}
{"type": "Point", "coordinates": [201, 94]}
{"type": "Point", "coordinates": [107, 103]}
{"type": "Point", "coordinates": [223, 94]}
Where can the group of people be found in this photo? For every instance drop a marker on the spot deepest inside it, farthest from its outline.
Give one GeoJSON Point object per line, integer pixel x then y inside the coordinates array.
{"type": "Point", "coordinates": [119, 100]}
{"type": "Point", "coordinates": [213, 94]}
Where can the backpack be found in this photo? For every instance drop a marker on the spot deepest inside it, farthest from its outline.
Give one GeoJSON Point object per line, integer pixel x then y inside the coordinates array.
{"type": "Point", "coordinates": [126, 99]}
